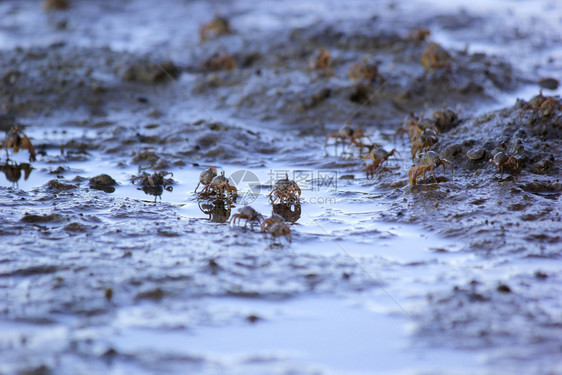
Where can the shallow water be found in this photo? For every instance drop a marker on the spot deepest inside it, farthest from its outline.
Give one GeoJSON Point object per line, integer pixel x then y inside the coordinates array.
{"type": "Point", "coordinates": [379, 277]}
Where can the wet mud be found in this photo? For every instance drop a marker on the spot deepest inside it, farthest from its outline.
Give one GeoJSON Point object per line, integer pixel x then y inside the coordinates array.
{"type": "Point", "coordinates": [99, 254]}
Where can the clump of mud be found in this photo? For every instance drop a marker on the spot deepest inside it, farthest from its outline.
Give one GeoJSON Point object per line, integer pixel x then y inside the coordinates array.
{"type": "Point", "coordinates": [532, 138]}
{"type": "Point", "coordinates": [456, 316]}
{"type": "Point", "coordinates": [488, 202]}
{"type": "Point", "coordinates": [283, 83]}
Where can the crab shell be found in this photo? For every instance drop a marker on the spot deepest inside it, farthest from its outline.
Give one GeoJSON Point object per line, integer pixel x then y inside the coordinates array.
{"type": "Point", "coordinates": [430, 158]}
{"type": "Point", "coordinates": [280, 229]}
{"type": "Point", "coordinates": [500, 158]}
{"type": "Point", "coordinates": [249, 212]}
{"type": "Point", "coordinates": [380, 154]}
{"type": "Point", "coordinates": [219, 181]}
{"type": "Point", "coordinates": [286, 186]}
{"type": "Point", "coordinates": [273, 219]}
{"type": "Point", "coordinates": [435, 57]}
{"type": "Point", "coordinates": [208, 175]}
{"type": "Point", "coordinates": [346, 131]}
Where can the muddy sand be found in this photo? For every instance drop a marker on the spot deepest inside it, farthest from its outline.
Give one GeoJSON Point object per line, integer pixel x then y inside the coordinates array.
{"type": "Point", "coordinates": [437, 273]}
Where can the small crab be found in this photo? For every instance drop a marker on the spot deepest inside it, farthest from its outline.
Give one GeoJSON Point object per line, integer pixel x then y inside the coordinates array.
{"type": "Point", "coordinates": [444, 119]}
{"type": "Point", "coordinates": [285, 190]}
{"type": "Point", "coordinates": [355, 137]}
{"type": "Point", "coordinates": [534, 104]}
{"type": "Point", "coordinates": [419, 34]}
{"type": "Point", "coordinates": [410, 122]}
{"type": "Point", "coordinates": [542, 105]}
{"type": "Point", "coordinates": [16, 140]}
{"type": "Point", "coordinates": [273, 219]}
{"type": "Point", "coordinates": [549, 106]}
{"type": "Point", "coordinates": [219, 26]}
{"type": "Point", "coordinates": [414, 127]}
{"type": "Point", "coordinates": [206, 177]}
{"type": "Point", "coordinates": [323, 63]}
{"type": "Point", "coordinates": [345, 132]}
{"type": "Point", "coordinates": [249, 214]}
{"type": "Point", "coordinates": [501, 161]}
{"type": "Point", "coordinates": [218, 62]}
{"type": "Point", "coordinates": [219, 185]}
{"type": "Point", "coordinates": [423, 124]}
{"type": "Point", "coordinates": [428, 162]}
{"type": "Point", "coordinates": [154, 184]}
{"type": "Point", "coordinates": [378, 156]}
{"type": "Point", "coordinates": [423, 141]}
{"type": "Point", "coordinates": [280, 229]}
{"type": "Point", "coordinates": [435, 57]}
{"type": "Point", "coordinates": [365, 71]}
{"type": "Point", "coordinates": [155, 180]}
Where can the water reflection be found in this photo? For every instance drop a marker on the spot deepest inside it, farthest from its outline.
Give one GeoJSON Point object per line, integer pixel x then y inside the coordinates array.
{"type": "Point", "coordinates": [154, 184]}
{"type": "Point", "coordinates": [107, 189]}
{"type": "Point", "coordinates": [218, 209]}
{"type": "Point", "coordinates": [155, 191]}
{"type": "Point", "coordinates": [290, 212]}
{"type": "Point", "coordinates": [13, 171]}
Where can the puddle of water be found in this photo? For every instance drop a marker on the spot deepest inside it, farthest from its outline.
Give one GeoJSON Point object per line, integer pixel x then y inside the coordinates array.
{"type": "Point", "coordinates": [37, 337]}
{"type": "Point", "coordinates": [319, 333]}
{"type": "Point", "coordinates": [326, 213]}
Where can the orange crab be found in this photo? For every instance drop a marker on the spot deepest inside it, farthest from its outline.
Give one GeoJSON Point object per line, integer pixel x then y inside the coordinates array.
{"type": "Point", "coordinates": [219, 26]}
{"type": "Point", "coordinates": [419, 35]}
{"type": "Point", "coordinates": [501, 160]}
{"type": "Point", "coordinates": [542, 105]}
{"type": "Point", "coordinates": [414, 126]}
{"type": "Point", "coordinates": [378, 156]}
{"type": "Point", "coordinates": [549, 106]}
{"type": "Point", "coordinates": [365, 71]}
{"type": "Point", "coordinates": [323, 63]}
{"type": "Point", "coordinates": [249, 214]}
{"type": "Point", "coordinates": [435, 57]}
{"type": "Point", "coordinates": [218, 62]}
{"type": "Point", "coordinates": [16, 140]}
{"type": "Point", "coordinates": [285, 190]}
{"type": "Point", "coordinates": [444, 119]}
{"type": "Point", "coordinates": [273, 219]}
{"type": "Point", "coordinates": [534, 104]}
{"type": "Point", "coordinates": [408, 127]}
{"type": "Point", "coordinates": [422, 125]}
{"type": "Point", "coordinates": [280, 229]}
{"type": "Point", "coordinates": [355, 137]}
{"type": "Point", "coordinates": [206, 177]}
{"type": "Point", "coordinates": [219, 185]}
{"type": "Point", "coordinates": [428, 162]}
{"type": "Point", "coordinates": [423, 141]}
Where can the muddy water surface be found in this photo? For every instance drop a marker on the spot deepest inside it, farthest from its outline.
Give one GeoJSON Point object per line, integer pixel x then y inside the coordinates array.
{"type": "Point", "coordinates": [460, 276]}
